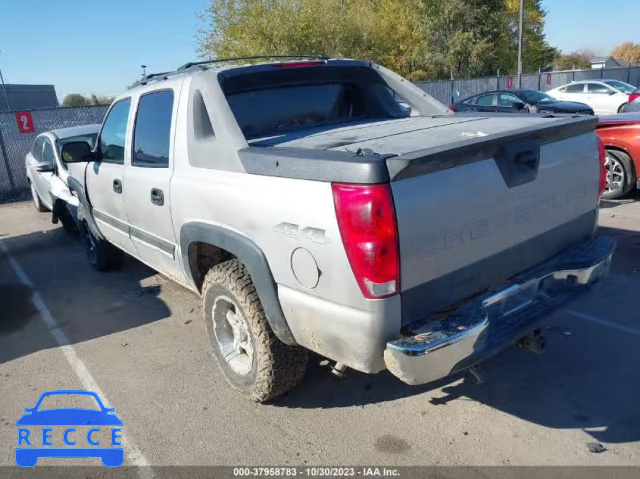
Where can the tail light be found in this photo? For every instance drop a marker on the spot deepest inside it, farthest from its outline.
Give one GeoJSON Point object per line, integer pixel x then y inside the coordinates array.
{"type": "Point", "coordinates": [634, 96]}
{"type": "Point", "coordinates": [603, 170]}
{"type": "Point", "coordinates": [452, 107]}
{"type": "Point", "coordinates": [367, 222]}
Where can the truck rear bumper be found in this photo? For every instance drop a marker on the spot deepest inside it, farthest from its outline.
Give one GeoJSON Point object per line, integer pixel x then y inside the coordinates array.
{"type": "Point", "coordinates": [442, 346]}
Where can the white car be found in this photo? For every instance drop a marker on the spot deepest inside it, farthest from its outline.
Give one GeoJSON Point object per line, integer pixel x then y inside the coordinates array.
{"type": "Point", "coordinates": [605, 97]}
{"type": "Point", "coordinates": [46, 173]}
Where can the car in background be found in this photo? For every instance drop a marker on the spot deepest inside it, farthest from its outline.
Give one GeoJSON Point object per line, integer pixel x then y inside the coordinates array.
{"type": "Point", "coordinates": [46, 172]}
{"type": "Point", "coordinates": [605, 97]}
{"type": "Point", "coordinates": [634, 102]}
{"type": "Point", "coordinates": [519, 101]}
{"type": "Point", "coordinates": [620, 135]}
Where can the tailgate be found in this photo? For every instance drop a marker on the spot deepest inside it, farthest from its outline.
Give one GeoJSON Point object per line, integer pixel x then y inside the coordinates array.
{"type": "Point", "coordinates": [474, 213]}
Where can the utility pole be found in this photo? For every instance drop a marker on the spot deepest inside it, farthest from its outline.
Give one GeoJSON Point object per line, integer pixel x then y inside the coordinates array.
{"type": "Point", "coordinates": [4, 90]}
{"type": "Point", "coordinates": [520, 44]}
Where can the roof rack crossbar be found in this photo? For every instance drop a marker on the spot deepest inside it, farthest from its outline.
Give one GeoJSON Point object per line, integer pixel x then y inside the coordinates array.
{"type": "Point", "coordinates": [186, 66]}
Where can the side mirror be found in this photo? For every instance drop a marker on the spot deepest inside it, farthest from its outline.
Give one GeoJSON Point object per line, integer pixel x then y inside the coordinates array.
{"type": "Point", "coordinates": [76, 152]}
{"type": "Point", "coordinates": [28, 409]}
{"type": "Point", "coordinates": [44, 168]}
{"type": "Point", "coordinates": [611, 92]}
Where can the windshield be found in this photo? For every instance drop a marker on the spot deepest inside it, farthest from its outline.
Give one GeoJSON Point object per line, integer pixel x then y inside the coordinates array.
{"type": "Point", "coordinates": [620, 85]}
{"type": "Point", "coordinates": [533, 97]}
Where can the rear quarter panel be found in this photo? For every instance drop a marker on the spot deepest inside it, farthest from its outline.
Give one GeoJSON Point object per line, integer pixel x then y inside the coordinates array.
{"type": "Point", "coordinates": [626, 138]}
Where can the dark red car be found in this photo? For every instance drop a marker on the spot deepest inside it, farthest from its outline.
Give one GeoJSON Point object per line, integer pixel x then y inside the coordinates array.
{"type": "Point", "coordinates": [621, 137]}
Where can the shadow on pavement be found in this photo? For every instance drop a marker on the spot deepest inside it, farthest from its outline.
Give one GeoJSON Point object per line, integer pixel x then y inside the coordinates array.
{"type": "Point", "coordinates": [86, 304]}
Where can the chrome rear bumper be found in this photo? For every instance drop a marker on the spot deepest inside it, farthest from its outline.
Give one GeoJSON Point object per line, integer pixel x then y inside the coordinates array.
{"type": "Point", "coordinates": [439, 347]}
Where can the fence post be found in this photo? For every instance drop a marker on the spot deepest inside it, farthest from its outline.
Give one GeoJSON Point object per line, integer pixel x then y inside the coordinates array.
{"type": "Point", "coordinates": [629, 73]}
{"type": "Point", "coordinates": [3, 152]}
{"type": "Point", "coordinates": [453, 100]}
{"type": "Point", "coordinates": [574, 76]}
{"type": "Point", "coordinates": [498, 80]}
{"type": "Point", "coordinates": [539, 78]}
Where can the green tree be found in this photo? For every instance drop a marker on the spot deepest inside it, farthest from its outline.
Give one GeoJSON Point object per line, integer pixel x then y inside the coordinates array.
{"type": "Point", "coordinates": [74, 99]}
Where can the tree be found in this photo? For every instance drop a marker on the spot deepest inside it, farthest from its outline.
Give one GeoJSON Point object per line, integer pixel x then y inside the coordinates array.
{"type": "Point", "coordinates": [573, 61]}
{"type": "Point", "coordinates": [74, 99]}
{"type": "Point", "coordinates": [628, 51]}
{"type": "Point", "coordinates": [99, 100]}
{"type": "Point", "coordinates": [419, 39]}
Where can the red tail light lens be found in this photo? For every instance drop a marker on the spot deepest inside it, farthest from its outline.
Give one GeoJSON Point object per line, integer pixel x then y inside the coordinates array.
{"type": "Point", "coordinates": [366, 218]}
{"type": "Point", "coordinates": [603, 169]}
{"type": "Point", "coordinates": [634, 96]}
{"type": "Point", "coordinates": [452, 107]}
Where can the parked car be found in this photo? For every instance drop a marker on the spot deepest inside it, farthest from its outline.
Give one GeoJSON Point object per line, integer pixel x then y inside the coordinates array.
{"type": "Point", "coordinates": [519, 101]}
{"type": "Point", "coordinates": [45, 170]}
{"type": "Point", "coordinates": [312, 210]}
{"type": "Point", "coordinates": [605, 97]}
{"type": "Point", "coordinates": [634, 102]}
{"type": "Point", "coordinates": [621, 137]}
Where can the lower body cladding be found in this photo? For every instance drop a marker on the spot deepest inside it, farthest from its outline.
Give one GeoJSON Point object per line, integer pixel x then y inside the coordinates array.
{"type": "Point", "coordinates": [486, 325]}
{"type": "Point", "coordinates": [370, 341]}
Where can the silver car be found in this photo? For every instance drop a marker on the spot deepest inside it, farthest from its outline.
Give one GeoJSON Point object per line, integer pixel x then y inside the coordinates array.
{"type": "Point", "coordinates": [46, 173]}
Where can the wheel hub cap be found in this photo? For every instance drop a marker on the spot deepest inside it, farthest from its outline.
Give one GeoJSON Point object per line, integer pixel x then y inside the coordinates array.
{"type": "Point", "coordinates": [615, 174]}
{"type": "Point", "coordinates": [232, 334]}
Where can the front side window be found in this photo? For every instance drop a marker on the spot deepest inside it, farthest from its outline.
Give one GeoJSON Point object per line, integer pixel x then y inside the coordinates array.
{"type": "Point", "coordinates": [48, 156]}
{"type": "Point", "coordinates": [508, 100]}
{"type": "Point", "coordinates": [112, 137]}
{"type": "Point", "coordinates": [598, 88]}
{"type": "Point", "coordinates": [152, 133]}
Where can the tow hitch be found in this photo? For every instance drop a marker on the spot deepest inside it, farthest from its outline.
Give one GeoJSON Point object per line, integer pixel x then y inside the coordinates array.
{"type": "Point", "coordinates": [534, 342]}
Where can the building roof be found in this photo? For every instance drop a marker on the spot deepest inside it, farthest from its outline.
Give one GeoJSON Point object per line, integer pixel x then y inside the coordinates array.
{"type": "Point", "coordinates": [27, 97]}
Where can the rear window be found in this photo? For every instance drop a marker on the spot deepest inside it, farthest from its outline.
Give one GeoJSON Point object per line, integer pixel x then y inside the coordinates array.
{"type": "Point", "coordinates": [280, 110]}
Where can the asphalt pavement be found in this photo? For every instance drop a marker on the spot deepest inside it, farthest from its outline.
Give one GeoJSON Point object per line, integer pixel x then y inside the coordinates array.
{"type": "Point", "coordinates": [140, 340]}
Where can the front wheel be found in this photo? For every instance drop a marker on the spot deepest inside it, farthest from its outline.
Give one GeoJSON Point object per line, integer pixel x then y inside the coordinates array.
{"type": "Point", "coordinates": [36, 199]}
{"type": "Point", "coordinates": [253, 360]}
{"type": "Point", "coordinates": [620, 174]}
{"type": "Point", "coordinates": [102, 255]}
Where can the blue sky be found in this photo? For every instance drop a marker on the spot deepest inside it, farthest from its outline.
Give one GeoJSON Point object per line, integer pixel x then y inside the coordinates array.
{"type": "Point", "coordinates": [89, 46]}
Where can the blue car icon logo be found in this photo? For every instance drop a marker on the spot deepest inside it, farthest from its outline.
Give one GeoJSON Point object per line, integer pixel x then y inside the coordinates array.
{"type": "Point", "coordinates": [98, 422]}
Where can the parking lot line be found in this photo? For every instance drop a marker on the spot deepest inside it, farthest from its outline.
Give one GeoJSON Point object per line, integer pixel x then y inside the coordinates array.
{"type": "Point", "coordinates": [135, 457]}
{"type": "Point", "coordinates": [604, 322]}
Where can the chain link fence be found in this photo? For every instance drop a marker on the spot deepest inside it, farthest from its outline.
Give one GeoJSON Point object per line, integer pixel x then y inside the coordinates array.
{"type": "Point", "coordinates": [447, 91]}
{"type": "Point", "coordinates": [14, 145]}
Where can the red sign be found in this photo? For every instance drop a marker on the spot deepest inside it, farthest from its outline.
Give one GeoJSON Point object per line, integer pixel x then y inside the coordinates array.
{"type": "Point", "coordinates": [510, 82]}
{"type": "Point", "coordinates": [25, 122]}
{"type": "Point", "coordinates": [548, 78]}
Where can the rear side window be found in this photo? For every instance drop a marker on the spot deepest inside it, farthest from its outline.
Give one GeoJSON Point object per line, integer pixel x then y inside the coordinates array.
{"type": "Point", "coordinates": [112, 136]}
{"type": "Point", "coordinates": [275, 111]}
{"type": "Point", "coordinates": [574, 88]}
{"type": "Point", "coordinates": [485, 100]}
{"type": "Point", "coordinates": [152, 133]}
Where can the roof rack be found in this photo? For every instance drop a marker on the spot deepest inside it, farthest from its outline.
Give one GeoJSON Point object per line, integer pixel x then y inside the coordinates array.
{"type": "Point", "coordinates": [163, 75]}
{"type": "Point", "coordinates": [186, 66]}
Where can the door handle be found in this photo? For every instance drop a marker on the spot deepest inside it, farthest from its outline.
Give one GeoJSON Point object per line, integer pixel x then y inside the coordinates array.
{"type": "Point", "coordinates": [157, 196]}
{"type": "Point", "coordinates": [117, 186]}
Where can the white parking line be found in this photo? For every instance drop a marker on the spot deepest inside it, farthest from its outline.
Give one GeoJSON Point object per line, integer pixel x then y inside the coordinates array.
{"type": "Point", "coordinates": [604, 322]}
{"type": "Point", "coordinates": [134, 456]}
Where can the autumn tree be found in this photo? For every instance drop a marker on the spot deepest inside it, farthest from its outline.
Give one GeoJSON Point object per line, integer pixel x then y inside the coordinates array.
{"type": "Point", "coordinates": [419, 39]}
{"type": "Point", "coordinates": [573, 61]}
{"type": "Point", "coordinates": [628, 51]}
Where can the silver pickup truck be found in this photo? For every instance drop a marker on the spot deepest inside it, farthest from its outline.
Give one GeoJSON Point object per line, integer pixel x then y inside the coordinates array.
{"type": "Point", "coordinates": [330, 205]}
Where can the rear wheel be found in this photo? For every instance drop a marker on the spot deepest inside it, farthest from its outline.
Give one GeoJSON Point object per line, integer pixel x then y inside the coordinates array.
{"type": "Point", "coordinates": [36, 199]}
{"type": "Point", "coordinates": [102, 255]}
{"type": "Point", "coordinates": [622, 108]}
{"type": "Point", "coordinates": [620, 174]}
{"type": "Point", "coordinates": [253, 360]}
